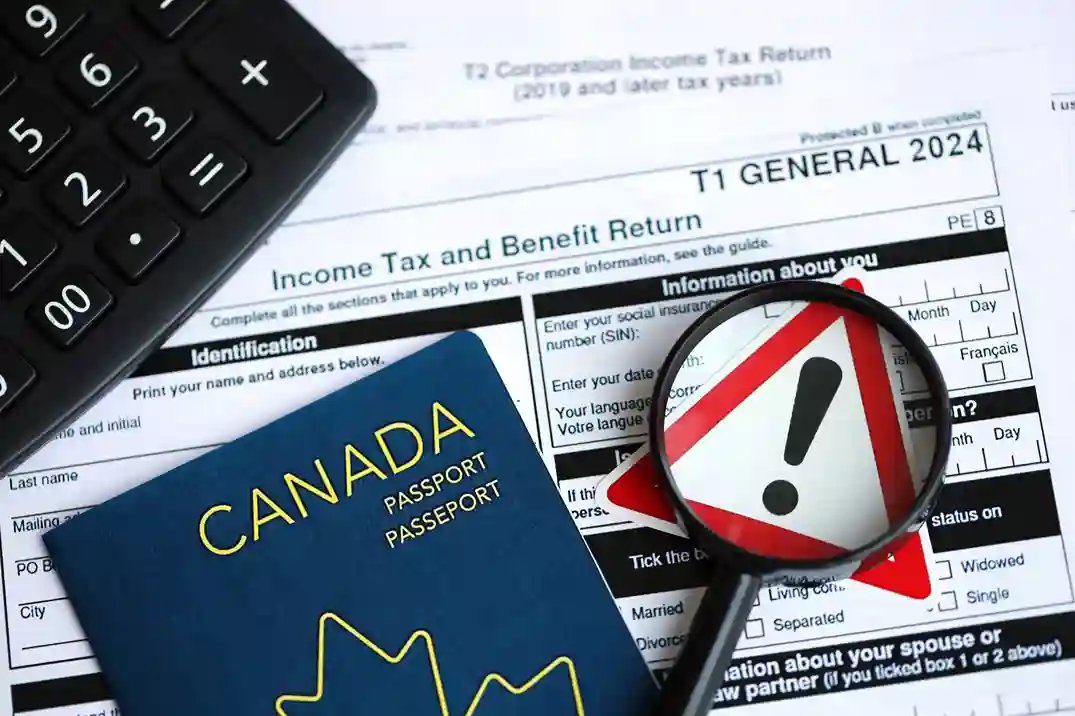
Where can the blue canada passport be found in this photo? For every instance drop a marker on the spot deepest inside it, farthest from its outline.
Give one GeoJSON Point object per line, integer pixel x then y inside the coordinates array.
{"type": "Point", "coordinates": [397, 547]}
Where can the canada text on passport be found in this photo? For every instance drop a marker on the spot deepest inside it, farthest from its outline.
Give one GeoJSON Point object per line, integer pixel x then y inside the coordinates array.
{"type": "Point", "coordinates": [400, 446]}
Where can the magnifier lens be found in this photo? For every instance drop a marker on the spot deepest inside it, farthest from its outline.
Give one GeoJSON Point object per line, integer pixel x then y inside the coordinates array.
{"type": "Point", "coordinates": [798, 431]}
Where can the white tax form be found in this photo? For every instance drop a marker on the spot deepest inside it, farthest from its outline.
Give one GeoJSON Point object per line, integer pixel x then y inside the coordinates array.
{"type": "Point", "coordinates": [577, 258]}
{"type": "Point", "coordinates": [446, 68]}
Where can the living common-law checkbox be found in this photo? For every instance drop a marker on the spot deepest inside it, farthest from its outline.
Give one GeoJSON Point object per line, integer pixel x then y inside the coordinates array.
{"type": "Point", "coordinates": [948, 601]}
{"type": "Point", "coordinates": [755, 628]}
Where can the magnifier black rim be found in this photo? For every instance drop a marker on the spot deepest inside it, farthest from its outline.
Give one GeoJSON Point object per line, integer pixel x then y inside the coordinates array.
{"type": "Point", "coordinates": [727, 552]}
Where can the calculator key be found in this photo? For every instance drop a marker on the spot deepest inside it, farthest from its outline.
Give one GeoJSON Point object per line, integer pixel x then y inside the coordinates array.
{"type": "Point", "coordinates": [31, 127]}
{"type": "Point", "coordinates": [266, 85]}
{"type": "Point", "coordinates": [168, 17]}
{"type": "Point", "coordinates": [203, 173]}
{"type": "Point", "coordinates": [86, 184]}
{"type": "Point", "coordinates": [25, 245]}
{"type": "Point", "coordinates": [96, 69]}
{"type": "Point", "coordinates": [151, 122]}
{"type": "Point", "coordinates": [37, 26]}
{"type": "Point", "coordinates": [7, 73]}
{"type": "Point", "coordinates": [138, 239]}
{"type": "Point", "coordinates": [16, 375]}
{"type": "Point", "coordinates": [70, 306]}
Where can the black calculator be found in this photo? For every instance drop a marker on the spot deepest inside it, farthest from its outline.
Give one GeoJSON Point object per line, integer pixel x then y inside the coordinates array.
{"type": "Point", "coordinates": [147, 147]}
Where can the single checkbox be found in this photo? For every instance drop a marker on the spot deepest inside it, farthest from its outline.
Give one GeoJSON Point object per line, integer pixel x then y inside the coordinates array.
{"type": "Point", "coordinates": [993, 371]}
{"type": "Point", "coordinates": [944, 569]}
{"type": "Point", "coordinates": [947, 601]}
{"type": "Point", "coordinates": [755, 628]}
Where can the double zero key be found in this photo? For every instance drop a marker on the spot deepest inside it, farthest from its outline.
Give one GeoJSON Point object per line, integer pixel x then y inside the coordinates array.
{"type": "Point", "coordinates": [70, 306]}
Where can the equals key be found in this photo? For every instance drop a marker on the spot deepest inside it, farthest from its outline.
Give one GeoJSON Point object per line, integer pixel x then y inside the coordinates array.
{"type": "Point", "coordinates": [204, 173]}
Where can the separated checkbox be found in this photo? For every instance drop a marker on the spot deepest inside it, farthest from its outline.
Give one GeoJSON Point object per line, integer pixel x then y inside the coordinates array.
{"type": "Point", "coordinates": [947, 602]}
{"type": "Point", "coordinates": [944, 569]}
{"type": "Point", "coordinates": [755, 628]}
{"type": "Point", "coordinates": [993, 371]}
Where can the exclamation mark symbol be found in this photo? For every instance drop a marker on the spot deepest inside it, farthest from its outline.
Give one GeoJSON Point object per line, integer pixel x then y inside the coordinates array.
{"type": "Point", "coordinates": [819, 378]}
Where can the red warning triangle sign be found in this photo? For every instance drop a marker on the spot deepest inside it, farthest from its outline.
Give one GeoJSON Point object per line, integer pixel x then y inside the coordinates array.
{"type": "Point", "coordinates": [905, 572]}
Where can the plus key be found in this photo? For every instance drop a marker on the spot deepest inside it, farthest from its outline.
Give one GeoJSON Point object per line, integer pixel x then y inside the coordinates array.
{"type": "Point", "coordinates": [266, 85]}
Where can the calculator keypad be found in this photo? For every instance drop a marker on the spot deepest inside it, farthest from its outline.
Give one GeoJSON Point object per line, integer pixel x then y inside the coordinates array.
{"type": "Point", "coordinates": [31, 127]}
{"type": "Point", "coordinates": [97, 68]}
{"type": "Point", "coordinates": [266, 85]}
{"type": "Point", "coordinates": [145, 147]}
{"type": "Point", "coordinates": [16, 375]}
{"type": "Point", "coordinates": [203, 173]}
{"type": "Point", "coordinates": [84, 186]}
{"type": "Point", "coordinates": [25, 245]}
{"type": "Point", "coordinates": [152, 122]}
{"type": "Point", "coordinates": [69, 306]}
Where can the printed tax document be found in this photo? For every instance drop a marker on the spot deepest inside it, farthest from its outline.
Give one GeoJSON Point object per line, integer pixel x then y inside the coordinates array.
{"type": "Point", "coordinates": [578, 253]}
{"type": "Point", "coordinates": [442, 69]}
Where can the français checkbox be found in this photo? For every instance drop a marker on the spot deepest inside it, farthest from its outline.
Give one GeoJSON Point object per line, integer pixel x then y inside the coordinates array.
{"type": "Point", "coordinates": [947, 601]}
{"type": "Point", "coordinates": [755, 628]}
{"type": "Point", "coordinates": [944, 569]}
{"type": "Point", "coordinates": [993, 371]}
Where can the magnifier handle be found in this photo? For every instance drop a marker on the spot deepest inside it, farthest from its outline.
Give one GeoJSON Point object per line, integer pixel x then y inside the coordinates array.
{"type": "Point", "coordinates": [698, 672]}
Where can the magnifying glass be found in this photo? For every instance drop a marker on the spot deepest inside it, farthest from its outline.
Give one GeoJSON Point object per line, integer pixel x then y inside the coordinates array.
{"type": "Point", "coordinates": [779, 433]}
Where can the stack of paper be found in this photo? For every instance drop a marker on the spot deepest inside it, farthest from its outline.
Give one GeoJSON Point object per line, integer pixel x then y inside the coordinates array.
{"type": "Point", "coordinates": [575, 184]}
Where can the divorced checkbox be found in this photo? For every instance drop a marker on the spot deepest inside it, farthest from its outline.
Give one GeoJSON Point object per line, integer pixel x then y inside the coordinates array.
{"type": "Point", "coordinates": [944, 569]}
{"type": "Point", "coordinates": [993, 371]}
{"type": "Point", "coordinates": [755, 628]}
{"type": "Point", "coordinates": [947, 601]}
